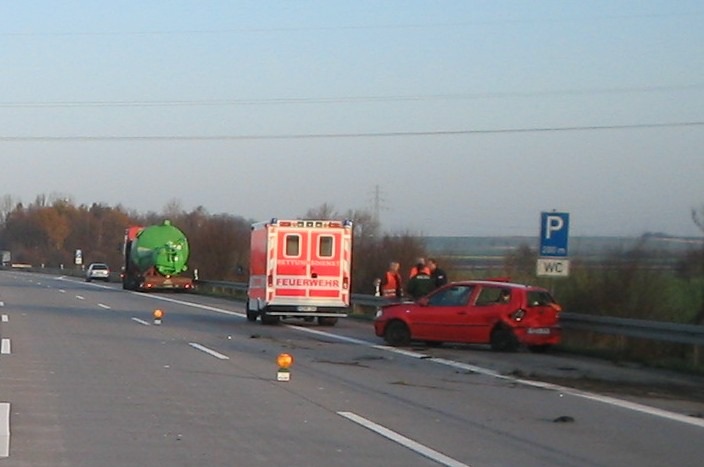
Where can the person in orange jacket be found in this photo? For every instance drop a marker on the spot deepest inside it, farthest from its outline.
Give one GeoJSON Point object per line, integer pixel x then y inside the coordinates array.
{"type": "Point", "coordinates": [419, 267]}
{"type": "Point", "coordinates": [391, 286]}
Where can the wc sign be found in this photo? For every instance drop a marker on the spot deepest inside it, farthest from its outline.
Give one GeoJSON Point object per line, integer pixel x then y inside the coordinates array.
{"type": "Point", "coordinates": [554, 232]}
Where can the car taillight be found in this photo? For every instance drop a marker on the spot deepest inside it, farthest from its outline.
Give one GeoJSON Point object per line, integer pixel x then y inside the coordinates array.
{"type": "Point", "coordinates": [518, 314]}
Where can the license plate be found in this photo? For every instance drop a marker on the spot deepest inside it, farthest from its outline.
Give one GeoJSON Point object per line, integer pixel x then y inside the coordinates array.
{"type": "Point", "coordinates": [307, 308]}
{"type": "Point", "coordinates": [539, 331]}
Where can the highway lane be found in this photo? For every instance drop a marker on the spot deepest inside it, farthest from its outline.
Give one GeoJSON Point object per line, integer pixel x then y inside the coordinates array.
{"type": "Point", "coordinates": [92, 380]}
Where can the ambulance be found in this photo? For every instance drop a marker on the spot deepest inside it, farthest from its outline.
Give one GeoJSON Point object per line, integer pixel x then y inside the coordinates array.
{"type": "Point", "coordinates": [300, 269]}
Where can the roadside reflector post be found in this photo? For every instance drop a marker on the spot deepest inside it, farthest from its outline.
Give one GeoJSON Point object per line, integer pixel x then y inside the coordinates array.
{"type": "Point", "coordinates": [284, 361]}
{"type": "Point", "coordinates": [158, 314]}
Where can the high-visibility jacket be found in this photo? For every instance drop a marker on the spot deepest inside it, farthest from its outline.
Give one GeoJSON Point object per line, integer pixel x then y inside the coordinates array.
{"type": "Point", "coordinates": [391, 285]}
{"type": "Point", "coordinates": [414, 271]}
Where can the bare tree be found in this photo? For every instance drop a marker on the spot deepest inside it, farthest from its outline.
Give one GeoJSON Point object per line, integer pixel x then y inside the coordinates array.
{"type": "Point", "coordinates": [7, 205]}
{"type": "Point", "coordinates": [324, 211]}
{"type": "Point", "coordinates": [173, 209]}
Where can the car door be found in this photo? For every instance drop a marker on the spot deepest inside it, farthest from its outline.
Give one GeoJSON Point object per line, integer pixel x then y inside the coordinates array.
{"type": "Point", "coordinates": [487, 305]}
{"type": "Point", "coordinates": [438, 317]}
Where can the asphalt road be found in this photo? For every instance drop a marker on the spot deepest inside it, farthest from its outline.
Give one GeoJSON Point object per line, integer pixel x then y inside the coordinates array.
{"type": "Point", "coordinates": [88, 379]}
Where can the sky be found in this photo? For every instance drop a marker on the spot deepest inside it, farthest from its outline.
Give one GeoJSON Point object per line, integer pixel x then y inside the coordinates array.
{"type": "Point", "coordinates": [461, 118]}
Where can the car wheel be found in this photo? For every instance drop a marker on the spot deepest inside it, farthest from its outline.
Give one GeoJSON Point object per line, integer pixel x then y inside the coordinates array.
{"type": "Point", "coordinates": [503, 340]}
{"type": "Point", "coordinates": [539, 348]}
{"type": "Point", "coordinates": [397, 334]}
{"type": "Point", "coordinates": [327, 321]}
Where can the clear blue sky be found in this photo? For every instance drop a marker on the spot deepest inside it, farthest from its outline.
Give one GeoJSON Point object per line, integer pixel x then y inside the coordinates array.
{"type": "Point", "coordinates": [269, 108]}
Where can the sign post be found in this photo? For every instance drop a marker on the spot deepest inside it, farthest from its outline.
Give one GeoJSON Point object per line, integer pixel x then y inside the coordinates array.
{"type": "Point", "coordinates": [552, 256]}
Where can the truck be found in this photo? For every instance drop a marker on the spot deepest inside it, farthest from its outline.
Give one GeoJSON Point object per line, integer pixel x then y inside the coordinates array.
{"type": "Point", "coordinates": [155, 257]}
{"type": "Point", "coordinates": [299, 269]}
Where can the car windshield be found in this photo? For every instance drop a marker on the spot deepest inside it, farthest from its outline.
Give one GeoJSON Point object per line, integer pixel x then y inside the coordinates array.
{"type": "Point", "coordinates": [99, 266]}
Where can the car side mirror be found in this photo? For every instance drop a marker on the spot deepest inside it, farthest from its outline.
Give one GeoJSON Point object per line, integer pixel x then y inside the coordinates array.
{"type": "Point", "coordinates": [423, 301]}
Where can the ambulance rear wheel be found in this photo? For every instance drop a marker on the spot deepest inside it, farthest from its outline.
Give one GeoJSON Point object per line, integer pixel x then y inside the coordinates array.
{"type": "Point", "coordinates": [327, 321]}
{"type": "Point", "coordinates": [251, 314]}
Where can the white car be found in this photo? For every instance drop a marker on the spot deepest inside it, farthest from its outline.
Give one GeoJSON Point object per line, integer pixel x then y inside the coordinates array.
{"type": "Point", "coordinates": [99, 271]}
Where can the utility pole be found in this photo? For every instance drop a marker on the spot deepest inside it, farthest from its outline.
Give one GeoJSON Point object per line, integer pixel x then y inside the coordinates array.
{"type": "Point", "coordinates": [377, 204]}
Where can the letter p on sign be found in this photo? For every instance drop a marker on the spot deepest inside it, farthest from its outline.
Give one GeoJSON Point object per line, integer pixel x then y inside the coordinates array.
{"type": "Point", "coordinates": [553, 224]}
{"type": "Point", "coordinates": [554, 227]}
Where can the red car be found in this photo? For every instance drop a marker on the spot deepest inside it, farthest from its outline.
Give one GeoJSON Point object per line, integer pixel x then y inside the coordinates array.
{"type": "Point", "coordinates": [502, 314]}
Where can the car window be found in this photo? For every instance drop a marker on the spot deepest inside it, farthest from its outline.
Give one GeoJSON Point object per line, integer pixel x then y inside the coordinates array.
{"type": "Point", "coordinates": [456, 295]}
{"type": "Point", "coordinates": [493, 296]}
{"type": "Point", "coordinates": [540, 298]}
{"type": "Point", "coordinates": [99, 266]}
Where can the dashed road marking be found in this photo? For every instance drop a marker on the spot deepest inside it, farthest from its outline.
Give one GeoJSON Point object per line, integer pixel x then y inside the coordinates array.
{"type": "Point", "coordinates": [5, 347]}
{"type": "Point", "coordinates": [208, 351]}
{"type": "Point", "coordinates": [5, 318]}
{"type": "Point", "coordinates": [106, 307]}
{"type": "Point", "coordinates": [80, 297]}
{"type": "Point", "coordinates": [140, 321]}
{"type": "Point", "coordinates": [424, 451]}
{"type": "Point", "coordinates": [4, 429]}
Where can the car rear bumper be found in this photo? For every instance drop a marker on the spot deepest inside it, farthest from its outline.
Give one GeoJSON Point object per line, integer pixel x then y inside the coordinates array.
{"type": "Point", "coordinates": [547, 335]}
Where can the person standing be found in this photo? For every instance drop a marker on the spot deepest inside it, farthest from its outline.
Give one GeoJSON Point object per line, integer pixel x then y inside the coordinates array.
{"type": "Point", "coordinates": [391, 286]}
{"type": "Point", "coordinates": [420, 284]}
{"type": "Point", "coordinates": [438, 275]}
{"type": "Point", "coordinates": [419, 267]}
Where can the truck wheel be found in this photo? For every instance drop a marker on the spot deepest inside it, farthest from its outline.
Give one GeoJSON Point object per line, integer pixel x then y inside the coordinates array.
{"type": "Point", "coordinates": [397, 334]}
{"type": "Point", "coordinates": [327, 321]}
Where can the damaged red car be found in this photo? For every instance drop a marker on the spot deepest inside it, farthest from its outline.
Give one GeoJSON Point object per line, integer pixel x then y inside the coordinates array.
{"type": "Point", "coordinates": [504, 315]}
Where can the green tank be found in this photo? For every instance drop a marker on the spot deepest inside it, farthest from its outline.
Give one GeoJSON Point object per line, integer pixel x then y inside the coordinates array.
{"type": "Point", "coordinates": [163, 246]}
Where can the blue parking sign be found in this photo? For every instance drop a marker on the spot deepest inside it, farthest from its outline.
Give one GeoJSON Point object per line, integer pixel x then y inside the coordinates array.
{"type": "Point", "coordinates": [554, 229]}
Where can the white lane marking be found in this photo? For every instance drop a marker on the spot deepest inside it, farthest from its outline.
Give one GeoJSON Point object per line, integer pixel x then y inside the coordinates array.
{"type": "Point", "coordinates": [5, 318]}
{"type": "Point", "coordinates": [80, 297]}
{"type": "Point", "coordinates": [62, 291]}
{"type": "Point", "coordinates": [208, 351]}
{"type": "Point", "coordinates": [141, 321]}
{"type": "Point", "coordinates": [476, 369]}
{"type": "Point", "coordinates": [2, 303]}
{"type": "Point", "coordinates": [4, 429]}
{"type": "Point", "coordinates": [106, 307]}
{"type": "Point", "coordinates": [425, 451]}
{"type": "Point", "coordinates": [5, 347]}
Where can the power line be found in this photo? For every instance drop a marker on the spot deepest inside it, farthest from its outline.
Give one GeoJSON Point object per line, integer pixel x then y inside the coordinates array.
{"type": "Point", "coordinates": [348, 99]}
{"type": "Point", "coordinates": [58, 139]}
{"type": "Point", "coordinates": [401, 26]}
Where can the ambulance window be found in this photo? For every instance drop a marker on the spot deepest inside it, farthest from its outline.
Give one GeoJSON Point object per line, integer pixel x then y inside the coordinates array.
{"type": "Point", "coordinates": [325, 247]}
{"type": "Point", "coordinates": [293, 245]}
